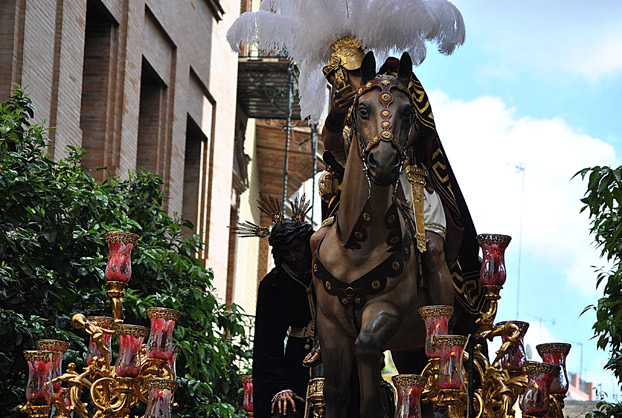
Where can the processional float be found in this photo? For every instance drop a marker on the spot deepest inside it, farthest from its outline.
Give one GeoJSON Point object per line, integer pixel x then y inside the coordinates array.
{"type": "Point", "coordinates": [142, 373]}
{"type": "Point", "coordinates": [539, 387]}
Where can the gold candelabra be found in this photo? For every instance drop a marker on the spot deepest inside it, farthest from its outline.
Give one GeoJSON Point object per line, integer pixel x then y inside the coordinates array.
{"type": "Point", "coordinates": [142, 373]}
{"type": "Point", "coordinates": [499, 383]}
{"type": "Point", "coordinates": [495, 385]}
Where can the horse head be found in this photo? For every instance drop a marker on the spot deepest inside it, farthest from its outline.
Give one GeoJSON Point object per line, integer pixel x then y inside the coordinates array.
{"type": "Point", "coordinates": [383, 116]}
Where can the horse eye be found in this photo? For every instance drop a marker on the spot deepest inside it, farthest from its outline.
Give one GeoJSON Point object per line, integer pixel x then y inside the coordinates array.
{"type": "Point", "coordinates": [408, 114]}
{"type": "Point", "coordinates": [363, 111]}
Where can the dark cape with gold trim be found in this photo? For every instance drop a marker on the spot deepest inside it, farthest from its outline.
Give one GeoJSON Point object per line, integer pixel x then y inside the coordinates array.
{"type": "Point", "coordinates": [461, 248]}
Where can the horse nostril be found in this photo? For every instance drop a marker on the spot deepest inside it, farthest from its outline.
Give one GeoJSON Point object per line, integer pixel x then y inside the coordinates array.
{"type": "Point", "coordinates": [371, 160]}
{"type": "Point", "coordinates": [395, 161]}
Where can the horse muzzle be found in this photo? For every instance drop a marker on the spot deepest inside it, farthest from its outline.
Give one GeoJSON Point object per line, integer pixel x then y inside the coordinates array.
{"type": "Point", "coordinates": [383, 164]}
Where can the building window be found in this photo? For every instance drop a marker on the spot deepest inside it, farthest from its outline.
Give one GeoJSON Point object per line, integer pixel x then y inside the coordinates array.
{"type": "Point", "coordinates": [97, 73]}
{"type": "Point", "coordinates": [195, 149]}
{"type": "Point", "coordinates": [150, 154]}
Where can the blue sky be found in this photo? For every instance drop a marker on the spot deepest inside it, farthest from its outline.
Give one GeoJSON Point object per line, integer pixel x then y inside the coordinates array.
{"type": "Point", "coordinates": [536, 84]}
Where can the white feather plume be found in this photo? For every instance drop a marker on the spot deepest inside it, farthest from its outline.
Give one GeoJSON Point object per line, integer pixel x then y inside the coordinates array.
{"type": "Point", "coordinates": [303, 30]}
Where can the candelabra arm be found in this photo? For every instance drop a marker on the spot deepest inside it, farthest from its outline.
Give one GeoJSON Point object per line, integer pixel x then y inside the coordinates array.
{"type": "Point", "coordinates": [479, 403]}
{"type": "Point", "coordinates": [62, 410]}
{"type": "Point", "coordinates": [486, 319]}
{"type": "Point", "coordinates": [75, 392]}
{"type": "Point", "coordinates": [513, 332]}
{"type": "Point", "coordinates": [480, 363]}
{"type": "Point", "coordinates": [556, 406]}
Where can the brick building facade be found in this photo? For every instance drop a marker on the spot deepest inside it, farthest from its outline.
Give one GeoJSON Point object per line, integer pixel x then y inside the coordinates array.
{"type": "Point", "coordinates": [136, 83]}
{"type": "Point", "coordinates": [153, 84]}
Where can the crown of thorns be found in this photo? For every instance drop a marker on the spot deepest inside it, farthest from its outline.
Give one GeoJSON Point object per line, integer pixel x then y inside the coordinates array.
{"type": "Point", "coordinates": [272, 207]}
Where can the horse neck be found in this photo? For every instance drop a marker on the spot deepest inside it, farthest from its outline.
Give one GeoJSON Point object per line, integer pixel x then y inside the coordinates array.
{"type": "Point", "coordinates": [355, 191]}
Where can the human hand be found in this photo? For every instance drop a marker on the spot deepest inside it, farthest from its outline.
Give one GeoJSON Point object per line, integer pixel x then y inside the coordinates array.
{"type": "Point", "coordinates": [311, 359]}
{"type": "Point", "coordinates": [282, 400]}
{"type": "Point", "coordinates": [342, 99]}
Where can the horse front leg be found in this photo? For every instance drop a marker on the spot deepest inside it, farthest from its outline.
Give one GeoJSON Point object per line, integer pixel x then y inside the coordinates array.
{"type": "Point", "coordinates": [337, 355]}
{"type": "Point", "coordinates": [379, 322]}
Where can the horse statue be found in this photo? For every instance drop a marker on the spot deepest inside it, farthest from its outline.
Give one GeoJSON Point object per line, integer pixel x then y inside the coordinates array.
{"type": "Point", "coordinates": [366, 267]}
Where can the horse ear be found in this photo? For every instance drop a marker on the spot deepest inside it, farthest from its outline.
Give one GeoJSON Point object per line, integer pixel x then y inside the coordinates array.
{"type": "Point", "coordinates": [368, 67]}
{"type": "Point", "coordinates": [405, 69]}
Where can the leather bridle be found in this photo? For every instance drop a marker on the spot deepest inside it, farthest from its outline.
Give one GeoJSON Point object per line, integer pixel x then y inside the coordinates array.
{"type": "Point", "coordinates": [386, 84]}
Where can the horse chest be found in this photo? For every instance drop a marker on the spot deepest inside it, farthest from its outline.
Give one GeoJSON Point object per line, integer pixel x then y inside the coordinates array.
{"type": "Point", "coordinates": [354, 276]}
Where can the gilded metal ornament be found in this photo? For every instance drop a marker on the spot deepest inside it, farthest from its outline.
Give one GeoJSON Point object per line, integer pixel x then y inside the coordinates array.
{"type": "Point", "coordinates": [124, 237]}
{"type": "Point", "coordinates": [552, 348]}
{"type": "Point", "coordinates": [494, 239]}
{"type": "Point", "coordinates": [53, 345]}
{"type": "Point", "coordinates": [435, 311]}
{"type": "Point", "coordinates": [409, 380]}
{"type": "Point", "coordinates": [165, 313]}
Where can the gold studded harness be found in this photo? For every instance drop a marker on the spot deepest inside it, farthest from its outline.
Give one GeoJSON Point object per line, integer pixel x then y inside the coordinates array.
{"type": "Point", "coordinates": [353, 295]}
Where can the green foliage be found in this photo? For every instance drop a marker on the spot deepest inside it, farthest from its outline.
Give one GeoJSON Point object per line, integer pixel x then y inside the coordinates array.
{"type": "Point", "coordinates": [605, 409]}
{"type": "Point", "coordinates": [603, 199]}
{"type": "Point", "coordinates": [52, 259]}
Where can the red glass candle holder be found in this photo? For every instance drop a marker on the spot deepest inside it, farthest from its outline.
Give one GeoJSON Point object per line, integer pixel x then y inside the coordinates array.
{"type": "Point", "coordinates": [515, 358]}
{"type": "Point", "coordinates": [556, 353]}
{"type": "Point", "coordinates": [436, 318]}
{"type": "Point", "coordinates": [104, 322]}
{"type": "Point", "coordinates": [130, 340]}
{"type": "Point", "coordinates": [160, 397]}
{"type": "Point", "coordinates": [535, 399]}
{"type": "Point", "coordinates": [56, 346]}
{"type": "Point", "coordinates": [493, 259]}
{"type": "Point", "coordinates": [160, 344]}
{"type": "Point", "coordinates": [450, 374]}
{"type": "Point", "coordinates": [40, 365]}
{"type": "Point", "coordinates": [120, 244]}
{"type": "Point", "coordinates": [409, 388]}
{"type": "Point", "coordinates": [247, 401]}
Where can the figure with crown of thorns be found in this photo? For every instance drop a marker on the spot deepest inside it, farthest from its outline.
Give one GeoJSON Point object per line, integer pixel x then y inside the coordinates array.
{"type": "Point", "coordinates": [285, 307]}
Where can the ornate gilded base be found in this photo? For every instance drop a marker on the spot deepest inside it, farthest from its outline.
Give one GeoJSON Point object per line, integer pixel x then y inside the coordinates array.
{"type": "Point", "coordinates": [36, 411]}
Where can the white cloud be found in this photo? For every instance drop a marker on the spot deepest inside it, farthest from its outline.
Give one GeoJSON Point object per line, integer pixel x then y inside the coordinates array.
{"type": "Point", "coordinates": [484, 141]}
{"type": "Point", "coordinates": [553, 36]}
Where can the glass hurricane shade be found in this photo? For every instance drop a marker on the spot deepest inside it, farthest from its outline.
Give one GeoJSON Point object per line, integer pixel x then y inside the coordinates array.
{"type": "Point", "coordinates": [409, 388]}
{"type": "Point", "coordinates": [160, 343]}
{"type": "Point", "coordinates": [57, 346]}
{"type": "Point", "coordinates": [247, 400]}
{"type": "Point", "coordinates": [436, 319]}
{"type": "Point", "coordinates": [39, 385]}
{"type": "Point", "coordinates": [130, 340]}
{"type": "Point", "coordinates": [160, 396]}
{"type": "Point", "coordinates": [556, 353]}
{"type": "Point", "coordinates": [450, 375]}
{"type": "Point", "coordinates": [172, 362]}
{"type": "Point", "coordinates": [493, 246]}
{"type": "Point", "coordinates": [535, 399]}
{"type": "Point", "coordinates": [120, 244]}
{"type": "Point", "coordinates": [515, 358]}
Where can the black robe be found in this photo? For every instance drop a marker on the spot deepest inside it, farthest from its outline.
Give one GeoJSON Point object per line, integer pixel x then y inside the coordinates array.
{"type": "Point", "coordinates": [281, 303]}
